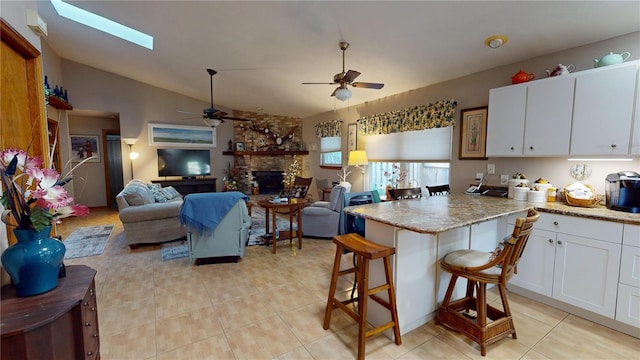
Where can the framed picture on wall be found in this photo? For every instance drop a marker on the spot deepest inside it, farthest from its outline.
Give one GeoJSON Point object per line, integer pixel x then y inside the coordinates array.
{"type": "Point", "coordinates": [473, 133]}
{"type": "Point", "coordinates": [85, 147]}
{"type": "Point", "coordinates": [352, 137]}
{"type": "Point", "coordinates": [240, 146]}
{"type": "Point", "coordinates": [181, 135]}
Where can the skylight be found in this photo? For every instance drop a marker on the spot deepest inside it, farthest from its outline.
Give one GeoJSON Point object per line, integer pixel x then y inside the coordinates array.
{"type": "Point", "coordinates": [103, 24]}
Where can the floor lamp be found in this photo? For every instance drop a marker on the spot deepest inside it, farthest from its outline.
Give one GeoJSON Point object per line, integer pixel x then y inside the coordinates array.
{"type": "Point", "coordinates": [132, 154]}
{"type": "Point", "coordinates": [358, 158]}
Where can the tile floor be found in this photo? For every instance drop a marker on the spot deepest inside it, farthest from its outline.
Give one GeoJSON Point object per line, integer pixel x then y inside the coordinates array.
{"type": "Point", "coordinates": [271, 307]}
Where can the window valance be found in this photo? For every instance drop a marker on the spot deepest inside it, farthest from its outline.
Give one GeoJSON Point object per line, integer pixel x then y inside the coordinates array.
{"type": "Point", "coordinates": [438, 115]}
{"type": "Point", "coordinates": [329, 129]}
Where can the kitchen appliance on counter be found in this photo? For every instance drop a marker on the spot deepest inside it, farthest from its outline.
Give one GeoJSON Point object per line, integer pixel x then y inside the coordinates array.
{"type": "Point", "coordinates": [622, 191]}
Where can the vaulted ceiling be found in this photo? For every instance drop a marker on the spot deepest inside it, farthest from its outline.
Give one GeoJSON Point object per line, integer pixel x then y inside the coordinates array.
{"type": "Point", "coordinates": [264, 50]}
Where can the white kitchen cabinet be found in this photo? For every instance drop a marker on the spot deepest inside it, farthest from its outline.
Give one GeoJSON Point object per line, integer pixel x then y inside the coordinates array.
{"type": "Point", "coordinates": [574, 260]}
{"type": "Point", "coordinates": [535, 269]}
{"type": "Point", "coordinates": [532, 119]}
{"type": "Point", "coordinates": [603, 110]}
{"type": "Point", "coordinates": [505, 125]}
{"type": "Point", "coordinates": [635, 141]}
{"type": "Point", "coordinates": [586, 273]}
{"type": "Point", "coordinates": [548, 116]}
{"type": "Point", "coordinates": [628, 305]}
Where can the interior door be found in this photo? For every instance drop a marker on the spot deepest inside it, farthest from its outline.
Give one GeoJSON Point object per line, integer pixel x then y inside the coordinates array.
{"type": "Point", "coordinates": [112, 165]}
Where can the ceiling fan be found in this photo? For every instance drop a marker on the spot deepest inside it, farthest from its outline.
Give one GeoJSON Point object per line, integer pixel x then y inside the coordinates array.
{"type": "Point", "coordinates": [211, 116]}
{"type": "Point", "coordinates": [343, 79]}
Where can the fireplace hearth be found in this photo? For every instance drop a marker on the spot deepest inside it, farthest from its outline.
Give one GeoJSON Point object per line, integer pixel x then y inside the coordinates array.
{"type": "Point", "coordinates": [269, 182]}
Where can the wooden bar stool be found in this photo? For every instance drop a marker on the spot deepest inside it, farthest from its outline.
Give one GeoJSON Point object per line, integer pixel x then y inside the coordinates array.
{"type": "Point", "coordinates": [364, 251]}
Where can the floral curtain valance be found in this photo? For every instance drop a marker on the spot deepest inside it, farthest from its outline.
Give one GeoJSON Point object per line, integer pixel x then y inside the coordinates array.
{"type": "Point", "coordinates": [329, 129]}
{"type": "Point", "coordinates": [438, 115]}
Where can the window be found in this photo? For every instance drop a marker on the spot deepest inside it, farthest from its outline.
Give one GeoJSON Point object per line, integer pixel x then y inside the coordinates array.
{"type": "Point", "coordinates": [331, 151]}
{"type": "Point", "coordinates": [419, 174]}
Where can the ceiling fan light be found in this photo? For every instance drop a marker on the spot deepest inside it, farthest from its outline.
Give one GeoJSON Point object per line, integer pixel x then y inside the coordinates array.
{"type": "Point", "coordinates": [343, 94]}
{"type": "Point", "coordinates": [212, 122]}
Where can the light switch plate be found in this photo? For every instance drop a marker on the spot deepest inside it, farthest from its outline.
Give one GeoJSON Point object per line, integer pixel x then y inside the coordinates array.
{"type": "Point", "coordinates": [479, 176]}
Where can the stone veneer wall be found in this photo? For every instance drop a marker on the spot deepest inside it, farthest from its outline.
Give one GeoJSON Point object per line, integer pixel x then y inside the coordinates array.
{"type": "Point", "coordinates": [281, 125]}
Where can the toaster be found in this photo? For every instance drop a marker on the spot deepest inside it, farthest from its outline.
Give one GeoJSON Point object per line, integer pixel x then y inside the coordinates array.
{"type": "Point", "coordinates": [622, 191]}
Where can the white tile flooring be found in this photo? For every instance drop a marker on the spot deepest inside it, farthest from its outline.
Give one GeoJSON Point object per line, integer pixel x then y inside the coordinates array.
{"type": "Point", "coordinates": [271, 307]}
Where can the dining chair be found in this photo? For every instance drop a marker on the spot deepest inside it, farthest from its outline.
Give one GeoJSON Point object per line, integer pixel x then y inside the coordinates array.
{"type": "Point", "coordinates": [439, 190]}
{"type": "Point", "coordinates": [406, 193]}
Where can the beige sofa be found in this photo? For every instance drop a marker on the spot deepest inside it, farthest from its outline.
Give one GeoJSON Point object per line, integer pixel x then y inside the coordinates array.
{"type": "Point", "coordinates": [149, 216]}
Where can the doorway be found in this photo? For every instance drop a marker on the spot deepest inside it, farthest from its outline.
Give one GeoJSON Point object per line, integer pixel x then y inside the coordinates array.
{"type": "Point", "coordinates": [112, 165]}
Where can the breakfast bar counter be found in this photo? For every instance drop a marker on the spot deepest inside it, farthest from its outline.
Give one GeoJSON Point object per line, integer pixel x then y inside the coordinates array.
{"type": "Point", "coordinates": [424, 230]}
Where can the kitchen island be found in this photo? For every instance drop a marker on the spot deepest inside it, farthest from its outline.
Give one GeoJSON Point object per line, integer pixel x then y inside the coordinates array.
{"type": "Point", "coordinates": [424, 230]}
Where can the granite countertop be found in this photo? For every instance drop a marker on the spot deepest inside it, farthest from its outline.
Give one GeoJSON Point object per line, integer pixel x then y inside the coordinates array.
{"type": "Point", "coordinates": [435, 214]}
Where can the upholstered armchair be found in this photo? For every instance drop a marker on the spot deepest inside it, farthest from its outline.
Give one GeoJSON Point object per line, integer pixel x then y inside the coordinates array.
{"type": "Point", "coordinates": [322, 218]}
{"type": "Point", "coordinates": [217, 226]}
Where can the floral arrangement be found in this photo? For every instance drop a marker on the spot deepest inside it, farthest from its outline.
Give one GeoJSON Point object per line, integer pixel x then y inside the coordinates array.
{"type": "Point", "coordinates": [232, 178]}
{"type": "Point", "coordinates": [397, 175]}
{"type": "Point", "coordinates": [33, 196]}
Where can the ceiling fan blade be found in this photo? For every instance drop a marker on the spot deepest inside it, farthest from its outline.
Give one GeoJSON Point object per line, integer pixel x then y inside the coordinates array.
{"type": "Point", "coordinates": [191, 118]}
{"type": "Point", "coordinates": [368, 85]}
{"type": "Point", "coordinates": [186, 112]}
{"type": "Point", "coordinates": [310, 83]}
{"type": "Point", "coordinates": [334, 91]}
{"type": "Point", "coordinates": [235, 118]}
{"type": "Point", "coordinates": [351, 75]}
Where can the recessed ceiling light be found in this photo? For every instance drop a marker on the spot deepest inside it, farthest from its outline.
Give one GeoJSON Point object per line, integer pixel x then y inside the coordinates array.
{"type": "Point", "coordinates": [495, 41]}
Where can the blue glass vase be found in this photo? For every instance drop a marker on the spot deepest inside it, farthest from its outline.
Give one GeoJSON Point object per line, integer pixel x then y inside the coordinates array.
{"type": "Point", "coordinates": [34, 261]}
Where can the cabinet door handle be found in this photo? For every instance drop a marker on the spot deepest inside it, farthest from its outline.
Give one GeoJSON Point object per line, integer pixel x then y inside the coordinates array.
{"type": "Point", "coordinates": [613, 146]}
{"type": "Point", "coordinates": [87, 324]}
{"type": "Point", "coordinates": [559, 242]}
{"type": "Point", "coordinates": [86, 303]}
{"type": "Point", "coordinates": [512, 148]}
{"type": "Point", "coordinates": [530, 147]}
{"type": "Point", "coordinates": [555, 223]}
{"type": "Point", "coordinates": [550, 241]}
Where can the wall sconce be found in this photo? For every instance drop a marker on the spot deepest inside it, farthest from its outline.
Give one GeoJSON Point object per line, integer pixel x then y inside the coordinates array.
{"type": "Point", "coordinates": [358, 159]}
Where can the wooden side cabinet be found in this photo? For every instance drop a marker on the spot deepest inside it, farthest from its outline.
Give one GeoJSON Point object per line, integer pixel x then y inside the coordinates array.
{"type": "Point", "coordinates": [59, 324]}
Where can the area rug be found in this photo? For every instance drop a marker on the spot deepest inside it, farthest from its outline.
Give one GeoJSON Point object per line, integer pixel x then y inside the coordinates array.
{"type": "Point", "coordinates": [87, 241]}
{"type": "Point", "coordinates": [174, 250]}
{"type": "Point", "coordinates": [178, 249]}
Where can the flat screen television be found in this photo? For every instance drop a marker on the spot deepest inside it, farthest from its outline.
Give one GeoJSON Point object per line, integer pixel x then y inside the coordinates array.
{"type": "Point", "coordinates": [187, 163]}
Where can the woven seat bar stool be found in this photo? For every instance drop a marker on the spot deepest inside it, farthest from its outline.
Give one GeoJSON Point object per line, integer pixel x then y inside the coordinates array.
{"type": "Point", "coordinates": [364, 251]}
{"type": "Point", "coordinates": [481, 268]}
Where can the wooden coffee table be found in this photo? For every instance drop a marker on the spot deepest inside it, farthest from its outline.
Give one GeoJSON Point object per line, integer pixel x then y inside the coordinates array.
{"type": "Point", "coordinates": [294, 205]}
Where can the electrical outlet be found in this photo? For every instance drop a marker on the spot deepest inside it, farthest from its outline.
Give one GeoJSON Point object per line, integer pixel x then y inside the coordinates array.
{"type": "Point", "coordinates": [491, 169]}
{"type": "Point", "coordinates": [479, 176]}
{"type": "Point", "coordinates": [504, 179]}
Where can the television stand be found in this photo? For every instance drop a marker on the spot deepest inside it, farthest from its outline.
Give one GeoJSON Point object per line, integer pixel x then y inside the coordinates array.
{"type": "Point", "coordinates": [190, 186]}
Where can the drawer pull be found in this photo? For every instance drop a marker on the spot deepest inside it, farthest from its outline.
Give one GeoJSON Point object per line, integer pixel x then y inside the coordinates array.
{"type": "Point", "coordinates": [550, 241]}
{"type": "Point", "coordinates": [613, 146]}
{"type": "Point", "coordinates": [555, 223]}
{"type": "Point", "coordinates": [559, 242]}
{"type": "Point", "coordinates": [90, 353]}
{"type": "Point", "coordinates": [87, 324]}
{"type": "Point", "coordinates": [93, 309]}
{"type": "Point", "coordinates": [512, 148]}
{"type": "Point", "coordinates": [91, 292]}
{"type": "Point", "coordinates": [530, 147]}
{"type": "Point", "coordinates": [86, 303]}
{"type": "Point", "coordinates": [95, 335]}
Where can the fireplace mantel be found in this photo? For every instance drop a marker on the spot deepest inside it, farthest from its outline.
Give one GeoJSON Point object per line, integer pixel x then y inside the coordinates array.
{"type": "Point", "coordinates": [266, 153]}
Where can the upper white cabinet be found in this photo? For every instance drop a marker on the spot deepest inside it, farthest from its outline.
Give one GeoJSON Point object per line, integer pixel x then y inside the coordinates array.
{"type": "Point", "coordinates": [589, 112]}
{"type": "Point", "coordinates": [532, 119]}
{"type": "Point", "coordinates": [548, 119]}
{"type": "Point", "coordinates": [603, 110]}
{"type": "Point", "coordinates": [635, 141]}
{"type": "Point", "coordinates": [505, 126]}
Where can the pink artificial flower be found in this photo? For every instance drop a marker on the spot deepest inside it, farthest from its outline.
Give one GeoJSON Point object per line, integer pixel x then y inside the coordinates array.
{"type": "Point", "coordinates": [24, 161]}
{"type": "Point", "coordinates": [72, 210]}
{"type": "Point", "coordinates": [54, 197]}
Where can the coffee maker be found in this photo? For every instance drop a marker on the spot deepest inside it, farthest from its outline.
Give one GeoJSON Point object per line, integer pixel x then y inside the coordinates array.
{"type": "Point", "coordinates": [622, 191]}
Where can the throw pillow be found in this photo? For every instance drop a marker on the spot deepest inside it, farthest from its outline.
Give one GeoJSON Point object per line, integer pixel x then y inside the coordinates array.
{"type": "Point", "coordinates": [170, 192]}
{"type": "Point", "coordinates": [158, 194]}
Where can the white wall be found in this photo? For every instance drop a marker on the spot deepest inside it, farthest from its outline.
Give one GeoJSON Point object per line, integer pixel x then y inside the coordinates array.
{"type": "Point", "coordinates": [473, 91]}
